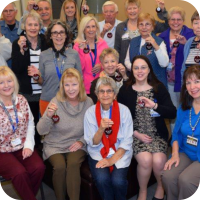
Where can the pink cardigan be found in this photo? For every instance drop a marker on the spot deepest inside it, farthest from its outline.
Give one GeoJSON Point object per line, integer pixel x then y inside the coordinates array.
{"type": "Point", "coordinates": [86, 62]}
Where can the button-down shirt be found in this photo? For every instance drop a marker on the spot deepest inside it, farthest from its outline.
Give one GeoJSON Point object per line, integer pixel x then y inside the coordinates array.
{"type": "Point", "coordinates": [124, 136]}
{"type": "Point", "coordinates": [5, 30]}
{"type": "Point", "coordinates": [110, 41]}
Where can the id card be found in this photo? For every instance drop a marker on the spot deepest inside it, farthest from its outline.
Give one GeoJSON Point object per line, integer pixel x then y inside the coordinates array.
{"type": "Point", "coordinates": [169, 67]}
{"type": "Point", "coordinates": [192, 140]}
{"type": "Point", "coordinates": [125, 36]}
{"type": "Point", "coordinates": [153, 113]}
{"type": "Point", "coordinates": [15, 142]}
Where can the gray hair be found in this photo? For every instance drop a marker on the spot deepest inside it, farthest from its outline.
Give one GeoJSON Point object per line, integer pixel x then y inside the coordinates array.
{"type": "Point", "coordinates": [33, 14]}
{"type": "Point", "coordinates": [110, 3]}
{"type": "Point", "coordinates": [106, 81]}
{"type": "Point", "coordinates": [14, 5]}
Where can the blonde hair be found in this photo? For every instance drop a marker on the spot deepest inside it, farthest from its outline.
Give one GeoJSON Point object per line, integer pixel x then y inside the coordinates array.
{"type": "Point", "coordinates": [7, 72]}
{"type": "Point", "coordinates": [136, 2]}
{"type": "Point", "coordinates": [146, 16]}
{"type": "Point", "coordinates": [108, 3]}
{"type": "Point", "coordinates": [108, 51]}
{"type": "Point", "coordinates": [178, 10]}
{"type": "Point", "coordinates": [85, 20]}
{"type": "Point", "coordinates": [63, 15]}
{"type": "Point", "coordinates": [34, 15]}
{"type": "Point", "coordinates": [69, 73]}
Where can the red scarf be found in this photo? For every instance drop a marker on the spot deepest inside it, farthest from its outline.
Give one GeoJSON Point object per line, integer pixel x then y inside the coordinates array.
{"type": "Point", "coordinates": [109, 142]}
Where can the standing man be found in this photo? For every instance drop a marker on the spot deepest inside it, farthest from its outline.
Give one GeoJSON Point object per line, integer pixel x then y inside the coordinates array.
{"type": "Point", "coordinates": [45, 12]}
{"type": "Point", "coordinates": [108, 26]}
{"type": "Point", "coordinates": [9, 25]}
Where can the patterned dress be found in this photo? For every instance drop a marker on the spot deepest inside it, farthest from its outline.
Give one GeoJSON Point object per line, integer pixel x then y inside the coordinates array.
{"type": "Point", "coordinates": [144, 123]}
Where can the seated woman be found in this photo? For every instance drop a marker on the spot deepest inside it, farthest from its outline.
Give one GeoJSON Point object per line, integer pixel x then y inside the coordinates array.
{"type": "Point", "coordinates": [149, 103]}
{"type": "Point", "coordinates": [109, 59]}
{"type": "Point", "coordinates": [108, 131]}
{"type": "Point", "coordinates": [64, 145]}
{"type": "Point", "coordinates": [192, 46]}
{"type": "Point", "coordinates": [18, 159]}
{"type": "Point", "coordinates": [149, 45]}
{"type": "Point", "coordinates": [182, 171]}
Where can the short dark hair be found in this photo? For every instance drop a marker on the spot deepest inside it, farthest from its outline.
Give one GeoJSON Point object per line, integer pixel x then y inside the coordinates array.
{"type": "Point", "coordinates": [66, 28]}
{"type": "Point", "coordinates": [151, 79]}
{"type": "Point", "coordinates": [185, 99]}
{"type": "Point", "coordinates": [195, 16]}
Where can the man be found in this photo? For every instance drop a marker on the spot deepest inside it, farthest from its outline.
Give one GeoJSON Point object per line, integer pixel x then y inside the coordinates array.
{"type": "Point", "coordinates": [9, 25]}
{"type": "Point", "coordinates": [108, 26]}
{"type": "Point", "coordinates": [45, 12]}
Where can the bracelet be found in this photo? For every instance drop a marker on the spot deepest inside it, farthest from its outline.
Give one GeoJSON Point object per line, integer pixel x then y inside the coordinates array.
{"type": "Point", "coordinates": [154, 106]}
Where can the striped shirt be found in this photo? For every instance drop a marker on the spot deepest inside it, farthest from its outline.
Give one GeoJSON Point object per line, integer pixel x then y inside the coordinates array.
{"type": "Point", "coordinates": [193, 52]}
{"type": "Point", "coordinates": [34, 60]}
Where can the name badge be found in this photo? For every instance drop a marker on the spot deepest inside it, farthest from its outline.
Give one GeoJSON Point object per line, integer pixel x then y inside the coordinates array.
{"type": "Point", "coordinates": [169, 67]}
{"type": "Point", "coordinates": [15, 142]}
{"type": "Point", "coordinates": [153, 113]}
{"type": "Point", "coordinates": [125, 36]}
{"type": "Point", "coordinates": [192, 140]}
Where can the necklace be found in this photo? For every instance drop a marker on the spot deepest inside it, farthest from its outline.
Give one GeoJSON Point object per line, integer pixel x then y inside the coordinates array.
{"type": "Point", "coordinates": [193, 127]}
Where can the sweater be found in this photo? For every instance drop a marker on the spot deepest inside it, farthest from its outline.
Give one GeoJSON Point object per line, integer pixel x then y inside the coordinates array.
{"type": "Point", "coordinates": [122, 44]}
{"type": "Point", "coordinates": [185, 55]}
{"type": "Point", "coordinates": [60, 136]}
{"type": "Point", "coordinates": [86, 62]}
{"type": "Point", "coordinates": [20, 65]}
{"type": "Point", "coordinates": [166, 109]}
{"type": "Point", "coordinates": [47, 69]}
{"type": "Point", "coordinates": [187, 33]}
{"type": "Point", "coordinates": [134, 50]}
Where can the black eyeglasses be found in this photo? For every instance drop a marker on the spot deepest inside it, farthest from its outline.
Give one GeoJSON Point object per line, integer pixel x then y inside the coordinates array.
{"type": "Point", "coordinates": [56, 33]}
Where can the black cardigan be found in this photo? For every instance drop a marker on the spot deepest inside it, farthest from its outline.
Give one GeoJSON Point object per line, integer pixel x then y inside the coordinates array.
{"type": "Point", "coordinates": [20, 65]}
{"type": "Point", "coordinates": [166, 109]}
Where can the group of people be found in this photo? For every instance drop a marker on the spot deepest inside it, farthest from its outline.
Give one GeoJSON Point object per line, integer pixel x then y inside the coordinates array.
{"type": "Point", "coordinates": [101, 90]}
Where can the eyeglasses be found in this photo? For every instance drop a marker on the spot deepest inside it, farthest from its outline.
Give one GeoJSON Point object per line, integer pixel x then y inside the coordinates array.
{"type": "Point", "coordinates": [8, 11]}
{"type": "Point", "coordinates": [141, 68]}
{"type": "Point", "coordinates": [106, 91]}
{"type": "Point", "coordinates": [178, 20]}
{"type": "Point", "coordinates": [147, 25]}
{"type": "Point", "coordinates": [56, 33]}
{"type": "Point", "coordinates": [45, 9]}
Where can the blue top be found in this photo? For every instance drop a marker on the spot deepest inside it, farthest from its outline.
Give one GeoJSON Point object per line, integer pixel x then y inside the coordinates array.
{"type": "Point", "coordinates": [187, 33]}
{"type": "Point", "coordinates": [182, 129]}
{"type": "Point", "coordinates": [186, 53]}
{"type": "Point", "coordinates": [124, 136]}
{"type": "Point", "coordinates": [5, 30]}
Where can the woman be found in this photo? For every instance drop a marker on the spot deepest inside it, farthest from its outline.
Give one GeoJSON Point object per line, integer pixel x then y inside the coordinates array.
{"type": "Point", "coordinates": [25, 55]}
{"type": "Point", "coordinates": [180, 33]}
{"type": "Point", "coordinates": [149, 45]}
{"type": "Point", "coordinates": [149, 103]}
{"type": "Point", "coordinates": [128, 29]}
{"type": "Point", "coordinates": [192, 46]}
{"type": "Point", "coordinates": [19, 162]}
{"type": "Point", "coordinates": [109, 59]}
{"type": "Point", "coordinates": [89, 46]}
{"type": "Point", "coordinates": [64, 145]}
{"type": "Point", "coordinates": [54, 61]}
{"type": "Point", "coordinates": [108, 130]}
{"type": "Point", "coordinates": [182, 170]}
{"type": "Point", "coordinates": [5, 49]}
{"type": "Point", "coordinates": [69, 14]}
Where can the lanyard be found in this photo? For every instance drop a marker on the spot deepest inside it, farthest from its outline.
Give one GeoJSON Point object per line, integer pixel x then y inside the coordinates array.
{"type": "Point", "coordinates": [59, 73]}
{"type": "Point", "coordinates": [14, 128]}
{"type": "Point", "coordinates": [95, 56]}
{"type": "Point", "coordinates": [171, 48]}
{"type": "Point", "coordinates": [110, 115]}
